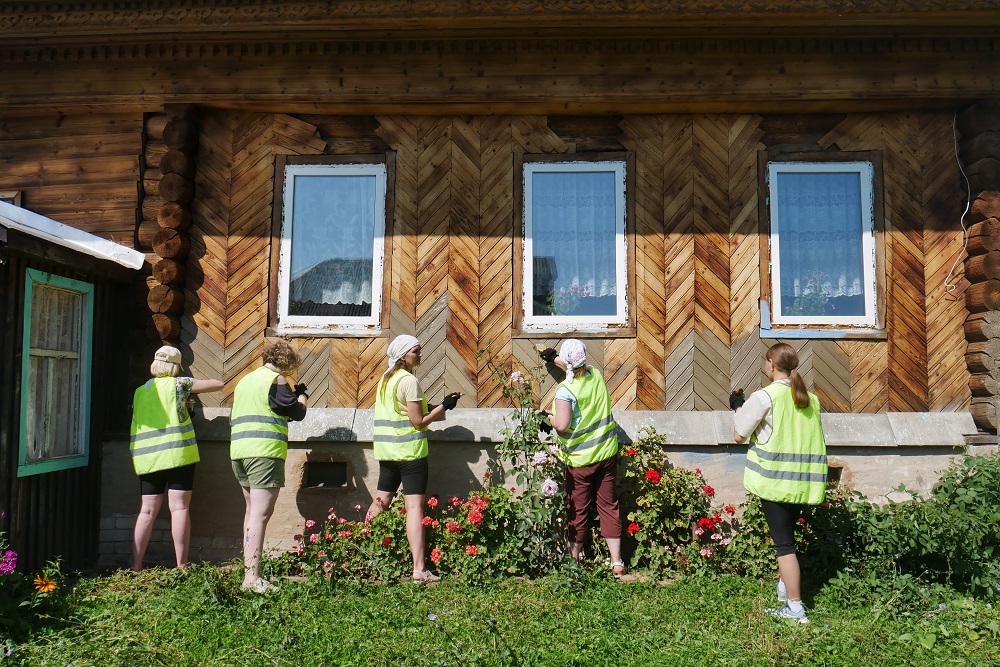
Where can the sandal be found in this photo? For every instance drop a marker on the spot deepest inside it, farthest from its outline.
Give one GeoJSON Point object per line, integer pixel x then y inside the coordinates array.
{"type": "Point", "coordinates": [425, 577]}
{"type": "Point", "coordinates": [618, 568]}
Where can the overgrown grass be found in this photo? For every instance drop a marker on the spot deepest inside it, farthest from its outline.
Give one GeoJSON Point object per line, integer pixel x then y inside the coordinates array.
{"type": "Point", "coordinates": [165, 617]}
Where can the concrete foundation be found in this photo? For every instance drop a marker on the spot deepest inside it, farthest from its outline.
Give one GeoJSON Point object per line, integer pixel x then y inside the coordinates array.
{"type": "Point", "coordinates": [330, 465]}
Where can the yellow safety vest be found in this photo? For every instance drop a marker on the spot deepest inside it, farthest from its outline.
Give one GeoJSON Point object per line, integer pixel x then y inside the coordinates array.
{"type": "Point", "coordinates": [791, 466]}
{"type": "Point", "coordinates": [257, 430]}
{"type": "Point", "coordinates": [158, 439]}
{"type": "Point", "coordinates": [395, 436]}
{"type": "Point", "coordinates": [595, 437]}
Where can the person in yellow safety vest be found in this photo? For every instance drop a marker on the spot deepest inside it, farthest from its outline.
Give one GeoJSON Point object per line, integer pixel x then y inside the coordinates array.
{"type": "Point", "coordinates": [588, 445]}
{"type": "Point", "coordinates": [786, 463]}
{"type": "Point", "coordinates": [263, 404]}
{"type": "Point", "coordinates": [400, 443]}
{"type": "Point", "coordinates": [164, 451]}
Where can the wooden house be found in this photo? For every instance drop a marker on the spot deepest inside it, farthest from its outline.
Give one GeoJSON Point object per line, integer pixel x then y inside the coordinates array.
{"type": "Point", "coordinates": [680, 183]}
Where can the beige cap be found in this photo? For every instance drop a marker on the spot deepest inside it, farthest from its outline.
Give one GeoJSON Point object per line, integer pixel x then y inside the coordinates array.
{"type": "Point", "coordinates": [168, 353]}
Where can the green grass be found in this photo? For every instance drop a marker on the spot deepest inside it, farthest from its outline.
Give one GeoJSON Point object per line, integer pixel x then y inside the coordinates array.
{"type": "Point", "coordinates": [163, 617]}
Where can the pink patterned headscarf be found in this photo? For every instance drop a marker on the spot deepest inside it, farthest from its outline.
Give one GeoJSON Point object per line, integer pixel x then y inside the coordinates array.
{"type": "Point", "coordinates": [573, 353]}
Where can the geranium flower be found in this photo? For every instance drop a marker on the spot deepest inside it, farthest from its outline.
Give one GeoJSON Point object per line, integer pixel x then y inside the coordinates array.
{"type": "Point", "coordinates": [697, 471]}
{"type": "Point", "coordinates": [453, 527]}
{"type": "Point", "coordinates": [475, 517]}
{"type": "Point", "coordinates": [435, 555]}
{"type": "Point", "coordinates": [366, 531]}
{"type": "Point", "coordinates": [427, 521]}
{"type": "Point", "coordinates": [471, 550]}
{"type": "Point", "coordinates": [729, 509]}
{"type": "Point", "coordinates": [343, 533]}
{"type": "Point", "coordinates": [320, 554]}
{"type": "Point", "coordinates": [313, 537]}
{"type": "Point", "coordinates": [631, 452]}
{"type": "Point", "coordinates": [802, 520]}
{"type": "Point", "coordinates": [454, 500]}
{"type": "Point", "coordinates": [653, 476]}
{"type": "Point", "coordinates": [716, 536]}
{"type": "Point", "coordinates": [699, 531]}
{"type": "Point", "coordinates": [297, 538]}
{"type": "Point", "coordinates": [327, 565]}
{"type": "Point", "coordinates": [386, 541]}
{"type": "Point", "coordinates": [310, 523]}
{"type": "Point", "coordinates": [432, 501]}
{"type": "Point", "coordinates": [633, 528]}
{"type": "Point", "coordinates": [549, 488]}
{"type": "Point", "coordinates": [709, 491]}
{"type": "Point", "coordinates": [706, 523]}
{"type": "Point", "coordinates": [707, 553]}
{"type": "Point", "coordinates": [44, 585]}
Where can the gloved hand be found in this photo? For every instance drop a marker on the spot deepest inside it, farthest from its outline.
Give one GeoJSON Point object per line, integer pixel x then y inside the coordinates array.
{"type": "Point", "coordinates": [451, 400]}
{"type": "Point", "coordinates": [301, 390]}
{"type": "Point", "coordinates": [544, 426]}
{"type": "Point", "coordinates": [548, 355]}
{"type": "Point", "coordinates": [736, 399]}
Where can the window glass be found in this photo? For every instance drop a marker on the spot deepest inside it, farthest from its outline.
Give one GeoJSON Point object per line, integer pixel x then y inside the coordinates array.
{"type": "Point", "coordinates": [822, 243]}
{"type": "Point", "coordinates": [56, 373]}
{"type": "Point", "coordinates": [575, 249]}
{"type": "Point", "coordinates": [332, 245]}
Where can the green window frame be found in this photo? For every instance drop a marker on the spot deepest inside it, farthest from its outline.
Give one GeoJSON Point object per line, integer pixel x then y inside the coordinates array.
{"type": "Point", "coordinates": [56, 360]}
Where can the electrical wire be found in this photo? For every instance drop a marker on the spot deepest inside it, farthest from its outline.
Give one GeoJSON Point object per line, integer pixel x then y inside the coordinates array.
{"type": "Point", "coordinates": [948, 285]}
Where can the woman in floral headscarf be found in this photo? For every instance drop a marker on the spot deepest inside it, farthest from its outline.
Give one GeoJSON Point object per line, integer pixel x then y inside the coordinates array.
{"type": "Point", "coordinates": [588, 445]}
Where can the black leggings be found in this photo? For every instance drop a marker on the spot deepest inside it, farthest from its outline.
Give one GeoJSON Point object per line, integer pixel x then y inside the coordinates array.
{"type": "Point", "coordinates": [781, 525]}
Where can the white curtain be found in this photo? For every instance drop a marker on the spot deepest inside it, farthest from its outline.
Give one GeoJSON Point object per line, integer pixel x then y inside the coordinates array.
{"type": "Point", "coordinates": [820, 235]}
{"type": "Point", "coordinates": [333, 236]}
{"type": "Point", "coordinates": [573, 232]}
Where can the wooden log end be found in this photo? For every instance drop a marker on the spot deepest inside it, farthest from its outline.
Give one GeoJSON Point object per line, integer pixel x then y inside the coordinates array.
{"type": "Point", "coordinates": [173, 216]}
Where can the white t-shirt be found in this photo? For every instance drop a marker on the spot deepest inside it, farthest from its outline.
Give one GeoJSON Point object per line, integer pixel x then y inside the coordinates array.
{"type": "Point", "coordinates": [755, 416]}
{"type": "Point", "coordinates": [564, 394]}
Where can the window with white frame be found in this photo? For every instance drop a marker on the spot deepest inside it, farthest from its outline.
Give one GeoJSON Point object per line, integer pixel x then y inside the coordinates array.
{"type": "Point", "coordinates": [333, 225]}
{"type": "Point", "coordinates": [822, 243]}
{"type": "Point", "coordinates": [575, 246]}
{"type": "Point", "coordinates": [55, 373]}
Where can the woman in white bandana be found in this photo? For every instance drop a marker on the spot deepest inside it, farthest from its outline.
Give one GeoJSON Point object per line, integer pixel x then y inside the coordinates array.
{"type": "Point", "coordinates": [401, 420]}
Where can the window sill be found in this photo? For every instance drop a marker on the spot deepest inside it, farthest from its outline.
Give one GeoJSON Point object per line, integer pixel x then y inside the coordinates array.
{"type": "Point", "coordinates": [558, 332]}
{"type": "Point", "coordinates": [802, 333]}
{"type": "Point", "coordinates": [331, 332]}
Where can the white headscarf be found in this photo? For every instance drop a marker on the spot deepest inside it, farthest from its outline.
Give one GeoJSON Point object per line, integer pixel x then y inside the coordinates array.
{"type": "Point", "coordinates": [399, 346]}
{"type": "Point", "coordinates": [573, 353]}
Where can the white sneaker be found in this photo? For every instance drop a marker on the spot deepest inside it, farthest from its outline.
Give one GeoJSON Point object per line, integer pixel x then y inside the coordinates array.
{"type": "Point", "coordinates": [782, 593]}
{"type": "Point", "coordinates": [786, 612]}
{"type": "Point", "coordinates": [260, 586]}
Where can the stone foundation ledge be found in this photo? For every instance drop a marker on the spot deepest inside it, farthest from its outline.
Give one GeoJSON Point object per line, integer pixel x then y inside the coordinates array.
{"type": "Point", "coordinates": [680, 428]}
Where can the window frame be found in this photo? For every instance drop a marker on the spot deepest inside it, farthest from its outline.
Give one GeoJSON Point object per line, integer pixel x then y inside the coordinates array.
{"type": "Point", "coordinates": [293, 326]}
{"type": "Point", "coordinates": [86, 356]}
{"type": "Point", "coordinates": [774, 326]}
{"type": "Point", "coordinates": [526, 326]}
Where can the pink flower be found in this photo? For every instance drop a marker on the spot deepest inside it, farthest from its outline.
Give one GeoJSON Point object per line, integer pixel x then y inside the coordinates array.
{"type": "Point", "coordinates": [342, 520]}
{"type": "Point", "coordinates": [471, 550]}
{"type": "Point", "coordinates": [357, 507]}
{"type": "Point", "coordinates": [344, 533]}
{"type": "Point", "coordinates": [386, 541]}
{"type": "Point", "coordinates": [432, 501]}
{"type": "Point", "coordinates": [366, 531]}
{"type": "Point", "coordinates": [310, 523]}
{"type": "Point", "coordinates": [320, 554]}
{"type": "Point", "coordinates": [454, 500]}
{"type": "Point", "coordinates": [435, 555]}
{"type": "Point", "coordinates": [699, 531]}
{"type": "Point", "coordinates": [314, 537]}
{"type": "Point", "coordinates": [707, 553]}
{"type": "Point", "coordinates": [327, 564]}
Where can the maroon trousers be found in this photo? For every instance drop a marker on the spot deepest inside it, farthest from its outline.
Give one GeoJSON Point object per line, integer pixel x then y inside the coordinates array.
{"type": "Point", "coordinates": [584, 486]}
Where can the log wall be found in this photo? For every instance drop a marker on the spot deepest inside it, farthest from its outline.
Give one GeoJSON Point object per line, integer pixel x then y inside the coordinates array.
{"type": "Point", "coordinates": [697, 255]}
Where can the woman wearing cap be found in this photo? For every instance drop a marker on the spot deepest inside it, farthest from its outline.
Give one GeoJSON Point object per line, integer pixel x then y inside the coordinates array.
{"type": "Point", "coordinates": [263, 404]}
{"type": "Point", "coordinates": [786, 463]}
{"type": "Point", "coordinates": [588, 445]}
{"type": "Point", "coordinates": [164, 451]}
{"type": "Point", "coordinates": [401, 420]}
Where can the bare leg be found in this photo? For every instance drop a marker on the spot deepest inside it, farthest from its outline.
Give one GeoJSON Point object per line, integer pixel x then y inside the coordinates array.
{"type": "Point", "coordinates": [415, 531]}
{"type": "Point", "coordinates": [179, 503]}
{"type": "Point", "coordinates": [615, 549]}
{"type": "Point", "coordinates": [788, 569]}
{"type": "Point", "coordinates": [382, 500]}
{"type": "Point", "coordinates": [260, 507]}
{"type": "Point", "coordinates": [575, 549]}
{"type": "Point", "coordinates": [144, 528]}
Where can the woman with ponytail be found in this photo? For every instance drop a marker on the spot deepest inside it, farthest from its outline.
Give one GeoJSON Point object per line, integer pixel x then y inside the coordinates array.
{"type": "Point", "coordinates": [786, 463]}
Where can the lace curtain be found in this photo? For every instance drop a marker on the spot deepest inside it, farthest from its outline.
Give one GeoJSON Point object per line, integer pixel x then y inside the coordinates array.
{"type": "Point", "coordinates": [333, 236]}
{"type": "Point", "coordinates": [820, 235]}
{"type": "Point", "coordinates": [573, 232]}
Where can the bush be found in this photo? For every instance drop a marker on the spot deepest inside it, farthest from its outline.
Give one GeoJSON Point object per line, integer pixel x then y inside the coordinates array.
{"type": "Point", "coordinates": [23, 597]}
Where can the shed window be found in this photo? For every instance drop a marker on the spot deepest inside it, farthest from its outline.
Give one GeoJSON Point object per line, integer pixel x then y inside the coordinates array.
{"type": "Point", "coordinates": [333, 227]}
{"type": "Point", "coordinates": [55, 373]}
{"type": "Point", "coordinates": [575, 250]}
{"type": "Point", "coordinates": [822, 243]}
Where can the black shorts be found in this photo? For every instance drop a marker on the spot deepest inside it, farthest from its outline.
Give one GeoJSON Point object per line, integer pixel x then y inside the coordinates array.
{"type": "Point", "coordinates": [413, 475]}
{"type": "Point", "coordinates": [781, 525]}
{"type": "Point", "coordinates": [157, 482]}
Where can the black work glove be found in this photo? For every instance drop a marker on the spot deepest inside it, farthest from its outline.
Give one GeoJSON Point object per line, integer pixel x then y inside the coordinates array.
{"type": "Point", "coordinates": [300, 390]}
{"type": "Point", "coordinates": [548, 355]}
{"type": "Point", "coordinates": [451, 400]}
{"type": "Point", "coordinates": [544, 426]}
{"type": "Point", "coordinates": [736, 399]}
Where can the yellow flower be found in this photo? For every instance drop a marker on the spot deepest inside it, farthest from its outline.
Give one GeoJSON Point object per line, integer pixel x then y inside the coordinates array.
{"type": "Point", "coordinates": [43, 585]}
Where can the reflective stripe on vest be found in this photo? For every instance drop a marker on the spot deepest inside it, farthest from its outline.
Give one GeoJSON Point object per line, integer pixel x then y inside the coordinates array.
{"type": "Point", "coordinates": [595, 438]}
{"type": "Point", "coordinates": [395, 437]}
{"type": "Point", "coordinates": [791, 466]}
{"type": "Point", "coordinates": [159, 440]}
{"type": "Point", "coordinates": [257, 430]}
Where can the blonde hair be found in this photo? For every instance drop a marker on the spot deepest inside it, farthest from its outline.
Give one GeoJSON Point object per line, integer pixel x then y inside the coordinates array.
{"type": "Point", "coordinates": [159, 369]}
{"type": "Point", "coordinates": [281, 355]}
{"type": "Point", "coordinates": [784, 359]}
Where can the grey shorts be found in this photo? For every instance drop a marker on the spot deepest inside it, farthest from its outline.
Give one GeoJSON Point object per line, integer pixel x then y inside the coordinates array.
{"type": "Point", "coordinates": [260, 472]}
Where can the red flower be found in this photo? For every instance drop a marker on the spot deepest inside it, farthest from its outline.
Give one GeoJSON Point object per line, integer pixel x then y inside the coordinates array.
{"type": "Point", "coordinates": [475, 517]}
{"type": "Point", "coordinates": [717, 518]}
{"type": "Point", "coordinates": [706, 523]}
{"type": "Point", "coordinates": [453, 527]}
{"type": "Point", "coordinates": [386, 541]}
{"type": "Point", "coordinates": [432, 501]}
{"type": "Point", "coordinates": [455, 501]}
{"type": "Point", "coordinates": [471, 550]}
{"type": "Point", "coordinates": [697, 471]}
{"type": "Point", "coordinates": [631, 452]}
{"type": "Point", "coordinates": [802, 520]}
{"type": "Point", "coordinates": [435, 555]}
{"type": "Point", "coordinates": [427, 521]}
{"type": "Point", "coordinates": [513, 489]}
{"type": "Point", "coordinates": [709, 491]}
{"type": "Point", "coordinates": [633, 528]}
{"type": "Point", "coordinates": [729, 509]}
{"type": "Point", "coordinates": [653, 476]}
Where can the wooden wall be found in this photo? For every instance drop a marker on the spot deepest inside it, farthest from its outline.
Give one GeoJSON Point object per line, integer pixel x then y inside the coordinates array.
{"type": "Point", "coordinates": [697, 255]}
